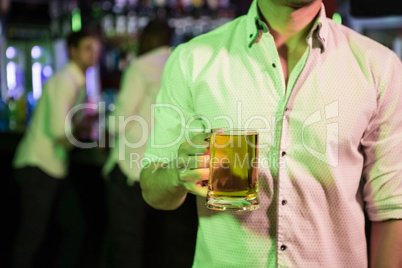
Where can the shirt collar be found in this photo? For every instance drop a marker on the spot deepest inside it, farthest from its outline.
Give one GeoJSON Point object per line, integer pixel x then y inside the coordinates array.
{"type": "Point", "coordinates": [76, 72]}
{"type": "Point", "coordinates": [256, 26]}
{"type": "Point", "coordinates": [319, 31]}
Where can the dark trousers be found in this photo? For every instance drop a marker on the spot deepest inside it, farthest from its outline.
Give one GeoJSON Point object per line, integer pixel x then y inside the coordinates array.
{"type": "Point", "coordinates": [61, 222]}
{"type": "Point", "coordinates": [131, 240]}
{"type": "Point", "coordinates": [38, 194]}
{"type": "Point", "coordinates": [82, 217]}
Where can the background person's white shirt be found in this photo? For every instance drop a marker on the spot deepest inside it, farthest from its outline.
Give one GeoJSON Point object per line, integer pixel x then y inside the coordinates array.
{"type": "Point", "coordinates": [139, 87]}
{"type": "Point", "coordinates": [39, 145]}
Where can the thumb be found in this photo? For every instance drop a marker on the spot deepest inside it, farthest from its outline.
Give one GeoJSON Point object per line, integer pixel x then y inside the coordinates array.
{"type": "Point", "coordinates": [201, 136]}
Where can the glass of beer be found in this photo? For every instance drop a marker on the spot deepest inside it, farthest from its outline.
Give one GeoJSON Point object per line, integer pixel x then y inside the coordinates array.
{"type": "Point", "coordinates": [233, 170]}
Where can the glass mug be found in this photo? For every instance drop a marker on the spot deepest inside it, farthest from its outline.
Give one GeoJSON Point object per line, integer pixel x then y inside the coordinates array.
{"type": "Point", "coordinates": [233, 170]}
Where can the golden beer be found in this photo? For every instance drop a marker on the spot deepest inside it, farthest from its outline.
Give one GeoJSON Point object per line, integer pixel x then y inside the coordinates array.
{"type": "Point", "coordinates": [233, 170]}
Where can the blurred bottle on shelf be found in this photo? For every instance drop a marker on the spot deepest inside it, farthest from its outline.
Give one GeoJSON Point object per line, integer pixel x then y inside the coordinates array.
{"type": "Point", "coordinates": [21, 114]}
{"type": "Point", "coordinates": [16, 114]}
{"type": "Point", "coordinates": [12, 114]}
{"type": "Point", "coordinates": [3, 116]}
{"type": "Point", "coordinates": [397, 44]}
{"type": "Point", "coordinates": [30, 106]}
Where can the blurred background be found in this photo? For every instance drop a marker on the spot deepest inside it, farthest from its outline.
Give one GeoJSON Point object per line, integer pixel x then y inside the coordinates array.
{"type": "Point", "coordinates": [33, 47]}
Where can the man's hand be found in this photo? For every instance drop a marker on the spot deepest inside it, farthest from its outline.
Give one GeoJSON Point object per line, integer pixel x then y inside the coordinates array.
{"type": "Point", "coordinates": [386, 244]}
{"type": "Point", "coordinates": [82, 128]}
{"type": "Point", "coordinates": [165, 185]}
{"type": "Point", "coordinates": [193, 164]}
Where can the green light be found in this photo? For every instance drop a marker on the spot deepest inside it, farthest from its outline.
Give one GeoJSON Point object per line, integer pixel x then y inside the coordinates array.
{"type": "Point", "coordinates": [76, 20]}
{"type": "Point", "coordinates": [337, 18]}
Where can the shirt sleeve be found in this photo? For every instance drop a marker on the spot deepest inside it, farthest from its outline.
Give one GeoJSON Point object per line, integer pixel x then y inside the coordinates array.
{"type": "Point", "coordinates": [129, 99]}
{"type": "Point", "coordinates": [382, 146]}
{"type": "Point", "coordinates": [173, 114]}
{"type": "Point", "coordinates": [61, 95]}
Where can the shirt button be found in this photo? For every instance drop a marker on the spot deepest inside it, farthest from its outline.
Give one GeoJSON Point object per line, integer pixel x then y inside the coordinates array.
{"type": "Point", "coordinates": [283, 153]}
{"type": "Point", "coordinates": [273, 65]}
{"type": "Point", "coordinates": [284, 202]}
{"type": "Point", "coordinates": [283, 247]}
{"type": "Point", "coordinates": [251, 35]}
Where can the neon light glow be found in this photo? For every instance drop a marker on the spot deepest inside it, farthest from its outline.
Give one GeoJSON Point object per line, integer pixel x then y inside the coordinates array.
{"type": "Point", "coordinates": [76, 20]}
{"type": "Point", "coordinates": [11, 75]}
{"type": "Point", "coordinates": [11, 52]}
{"type": "Point", "coordinates": [37, 80]}
{"type": "Point", "coordinates": [47, 71]}
{"type": "Point", "coordinates": [36, 52]}
{"type": "Point", "coordinates": [91, 82]}
{"type": "Point", "coordinates": [337, 18]}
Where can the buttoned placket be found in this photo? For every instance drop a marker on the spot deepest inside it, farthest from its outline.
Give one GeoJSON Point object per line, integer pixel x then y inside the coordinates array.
{"type": "Point", "coordinates": [280, 146]}
{"type": "Point", "coordinates": [284, 202]}
{"type": "Point", "coordinates": [280, 128]}
{"type": "Point", "coordinates": [281, 142]}
{"type": "Point", "coordinates": [284, 183]}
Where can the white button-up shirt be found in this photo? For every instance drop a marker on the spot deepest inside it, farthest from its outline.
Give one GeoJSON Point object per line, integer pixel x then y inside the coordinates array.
{"type": "Point", "coordinates": [331, 140]}
{"type": "Point", "coordinates": [39, 146]}
{"type": "Point", "coordinates": [130, 121]}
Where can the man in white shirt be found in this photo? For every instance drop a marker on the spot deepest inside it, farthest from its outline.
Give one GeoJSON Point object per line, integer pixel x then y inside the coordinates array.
{"type": "Point", "coordinates": [130, 123]}
{"type": "Point", "coordinates": [41, 159]}
{"type": "Point", "coordinates": [327, 102]}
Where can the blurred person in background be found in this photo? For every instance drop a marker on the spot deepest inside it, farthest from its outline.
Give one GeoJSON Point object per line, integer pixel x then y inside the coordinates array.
{"type": "Point", "coordinates": [129, 128]}
{"type": "Point", "coordinates": [41, 159]}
